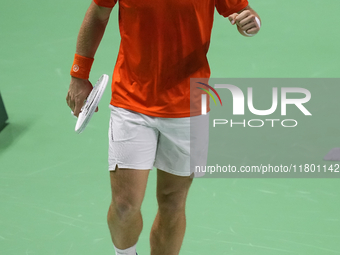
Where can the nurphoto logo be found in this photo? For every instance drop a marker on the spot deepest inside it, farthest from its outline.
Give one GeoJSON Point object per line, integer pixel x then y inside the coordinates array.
{"type": "Point", "coordinates": [239, 105]}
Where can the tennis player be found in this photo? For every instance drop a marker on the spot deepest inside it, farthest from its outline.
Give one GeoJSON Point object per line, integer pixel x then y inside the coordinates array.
{"type": "Point", "coordinates": [163, 45]}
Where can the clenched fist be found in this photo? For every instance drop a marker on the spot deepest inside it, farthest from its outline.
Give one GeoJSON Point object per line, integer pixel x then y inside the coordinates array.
{"type": "Point", "coordinates": [247, 22]}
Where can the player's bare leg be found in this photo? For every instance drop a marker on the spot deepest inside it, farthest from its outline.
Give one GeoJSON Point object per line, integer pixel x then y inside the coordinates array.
{"type": "Point", "coordinates": [168, 229]}
{"type": "Point", "coordinates": [124, 216]}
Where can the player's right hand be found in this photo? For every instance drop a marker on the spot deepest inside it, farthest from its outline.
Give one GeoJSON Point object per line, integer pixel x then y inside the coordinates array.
{"type": "Point", "coordinates": [78, 92]}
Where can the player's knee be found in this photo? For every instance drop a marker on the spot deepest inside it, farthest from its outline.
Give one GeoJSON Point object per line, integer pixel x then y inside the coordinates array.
{"type": "Point", "coordinates": [123, 208]}
{"type": "Point", "coordinates": [171, 203]}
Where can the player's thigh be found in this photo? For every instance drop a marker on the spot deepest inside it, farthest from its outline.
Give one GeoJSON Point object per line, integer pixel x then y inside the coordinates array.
{"type": "Point", "coordinates": [128, 187]}
{"type": "Point", "coordinates": [172, 190]}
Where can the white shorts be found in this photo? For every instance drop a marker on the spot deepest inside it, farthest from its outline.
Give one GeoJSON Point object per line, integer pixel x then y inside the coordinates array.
{"type": "Point", "coordinates": [138, 141]}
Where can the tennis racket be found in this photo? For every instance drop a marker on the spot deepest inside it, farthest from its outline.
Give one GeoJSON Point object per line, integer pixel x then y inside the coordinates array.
{"type": "Point", "coordinates": [91, 104]}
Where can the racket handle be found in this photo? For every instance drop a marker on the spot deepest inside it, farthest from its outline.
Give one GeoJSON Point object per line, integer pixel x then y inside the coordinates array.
{"type": "Point", "coordinates": [74, 115]}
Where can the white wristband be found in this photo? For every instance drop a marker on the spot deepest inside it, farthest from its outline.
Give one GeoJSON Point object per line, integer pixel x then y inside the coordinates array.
{"type": "Point", "coordinates": [258, 23]}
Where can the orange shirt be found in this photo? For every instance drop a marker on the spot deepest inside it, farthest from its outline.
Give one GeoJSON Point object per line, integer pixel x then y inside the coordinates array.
{"type": "Point", "coordinates": [163, 44]}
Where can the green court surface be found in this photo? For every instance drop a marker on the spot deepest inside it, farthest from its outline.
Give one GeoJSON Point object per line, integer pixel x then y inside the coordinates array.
{"type": "Point", "coordinates": [54, 184]}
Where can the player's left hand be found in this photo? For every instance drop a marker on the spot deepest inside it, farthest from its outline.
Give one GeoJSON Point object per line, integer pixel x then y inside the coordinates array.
{"type": "Point", "coordinates": [245, 22]}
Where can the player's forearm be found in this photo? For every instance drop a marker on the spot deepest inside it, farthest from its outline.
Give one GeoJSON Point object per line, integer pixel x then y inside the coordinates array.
{"type": "Point", "coordinates": [92, 30]}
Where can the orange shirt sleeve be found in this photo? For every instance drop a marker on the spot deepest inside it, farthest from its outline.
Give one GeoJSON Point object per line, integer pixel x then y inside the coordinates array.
{"type": "Point", "coordinates": [228, 7]}
{"type": "Point", "coordinates": [106, 3]}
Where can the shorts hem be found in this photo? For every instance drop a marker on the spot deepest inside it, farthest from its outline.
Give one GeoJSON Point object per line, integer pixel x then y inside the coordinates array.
{"type": "Point", "coordinates": [170, 171]}
{"type": "Point", "coordinates": [128, 167]}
